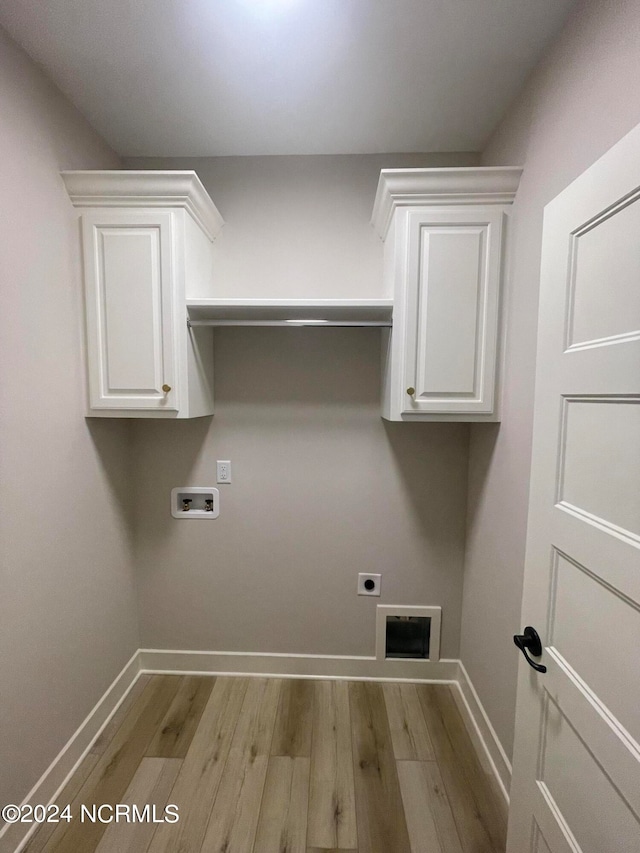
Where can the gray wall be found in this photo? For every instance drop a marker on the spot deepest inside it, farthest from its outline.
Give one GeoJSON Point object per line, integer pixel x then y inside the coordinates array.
{"type": "Point", "coordinates": [298, 227]}
{"type": "Point", "coordinates": [67, 603]}
{"type": "Point", "coordinates": [322, 487]}
{"type": "Point", "coordinates": [581, 99]}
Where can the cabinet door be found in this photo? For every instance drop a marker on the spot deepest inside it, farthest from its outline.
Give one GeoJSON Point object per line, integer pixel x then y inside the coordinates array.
{"type": "Point", "coordinates": [128, 261]}
{"type": "Point", "coordinates": [453, 283]}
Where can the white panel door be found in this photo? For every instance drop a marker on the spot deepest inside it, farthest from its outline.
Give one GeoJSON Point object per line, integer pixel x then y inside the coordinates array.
{"type": "Point", "coordinates": [453, 285]}
{"type": "Point", "coordinates": [128, 281]}
{"type": "Point", "coordinates": [576, 782]}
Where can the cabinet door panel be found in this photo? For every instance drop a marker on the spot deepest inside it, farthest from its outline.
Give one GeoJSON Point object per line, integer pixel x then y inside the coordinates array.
{"type": "Point", "coordinates": [454, 283]}
{"type": "Point", "coordinates": [452, 293]}
{"type": "Point", "coordinates": [129, 310]}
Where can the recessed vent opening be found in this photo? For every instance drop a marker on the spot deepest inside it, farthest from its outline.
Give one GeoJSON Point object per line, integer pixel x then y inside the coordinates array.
{"type": "Point", "coordinates": [408, 637]}
{"type": "Point", "coordinates": [408, 632]}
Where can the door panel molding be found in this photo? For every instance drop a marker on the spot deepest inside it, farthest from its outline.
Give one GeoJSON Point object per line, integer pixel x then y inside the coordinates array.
{"type": "Point", "coordinates": [551, 822]}
{"type": "Point", "coordinates": [602, 734]}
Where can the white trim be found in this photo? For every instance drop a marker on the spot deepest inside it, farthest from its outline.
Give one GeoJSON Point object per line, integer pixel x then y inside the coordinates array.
{"type": "Point", "coordinates": [15, 835]}
{"type": "Point", "coordinates": [278, 665]}
{"type": "Point", "coordinates": [415, 187]}
{"type": "Point", "coordinates": [129, 188]}
{"type": "Point", "coordinates": [483, 735]}
{"type": "Point", "coordinates": [551, 822]}
{"type": "Point", "coordinates": [384, 610]}
{"type": "Point", "coordinates": [611, 745]}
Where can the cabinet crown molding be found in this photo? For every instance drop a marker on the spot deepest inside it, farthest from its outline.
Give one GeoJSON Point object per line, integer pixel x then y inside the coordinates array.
{"type": "Point", "coordinates": [415, 187]}
{"type": "Point", "coordinates": [125, 188]}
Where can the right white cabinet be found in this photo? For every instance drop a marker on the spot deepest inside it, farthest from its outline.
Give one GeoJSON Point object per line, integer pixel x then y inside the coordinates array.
{"type": "Point", "coordinates": [444, 232]}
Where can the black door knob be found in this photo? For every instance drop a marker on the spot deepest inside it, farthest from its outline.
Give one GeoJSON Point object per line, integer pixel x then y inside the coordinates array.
{"type": "Point", "coordinates": [531, 641]}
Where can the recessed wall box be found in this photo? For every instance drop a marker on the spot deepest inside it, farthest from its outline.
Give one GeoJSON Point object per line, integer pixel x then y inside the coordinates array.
{"type": "Point", "coordinates": [407, 631]}
{"type": "Point", "coordinates": [195, 502]}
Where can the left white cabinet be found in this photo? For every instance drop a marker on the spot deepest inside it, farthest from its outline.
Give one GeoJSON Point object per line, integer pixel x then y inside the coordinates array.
{"type": "Point", "coordinates": [146, 241]}
{"type": "Point", "coordinates": [129, 309]}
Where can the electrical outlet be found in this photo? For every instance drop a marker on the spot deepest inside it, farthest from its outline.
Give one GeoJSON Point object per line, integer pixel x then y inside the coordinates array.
{"type": "Point", "coordinates": [223, 471]}
{"type": "Point", "coordinates": [369, 584]}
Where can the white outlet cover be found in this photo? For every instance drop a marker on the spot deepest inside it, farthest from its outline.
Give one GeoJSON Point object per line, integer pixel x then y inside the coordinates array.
{"type": "Point", "coordinates": [223, 471]}
{"type": "Point", "coordinates": [363, 577]}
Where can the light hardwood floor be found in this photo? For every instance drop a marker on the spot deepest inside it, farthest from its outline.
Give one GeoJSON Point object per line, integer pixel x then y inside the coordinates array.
{"type": "Point", "coordinates": [260, 765]}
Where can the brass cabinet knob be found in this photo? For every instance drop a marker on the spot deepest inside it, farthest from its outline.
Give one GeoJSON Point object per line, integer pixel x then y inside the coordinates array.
{"type": "Point", "coordinates": [411, 391]}
{"type": "Point", "coordinates": [166, 388]}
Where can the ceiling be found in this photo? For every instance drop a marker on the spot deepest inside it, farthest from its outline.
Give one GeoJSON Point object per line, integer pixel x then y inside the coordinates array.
{"type": "Point", "coordinates": [240, 77]}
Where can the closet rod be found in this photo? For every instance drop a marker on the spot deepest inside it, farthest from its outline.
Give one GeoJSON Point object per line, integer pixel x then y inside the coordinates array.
{"type": "Point", "coordinates": [293, 322]}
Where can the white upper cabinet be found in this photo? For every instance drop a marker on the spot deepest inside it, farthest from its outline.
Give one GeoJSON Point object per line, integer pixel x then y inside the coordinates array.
{"type": "Point", "coordinates": [146, 243]}
{"type": "Point", "coordinates": [150, 297]}
{"type": "Point", "coordinates": [444, 232]}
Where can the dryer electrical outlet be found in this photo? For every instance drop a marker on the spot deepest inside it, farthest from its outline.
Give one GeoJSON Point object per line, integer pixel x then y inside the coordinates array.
{"type": "Point", "coordinates": [369, 584]}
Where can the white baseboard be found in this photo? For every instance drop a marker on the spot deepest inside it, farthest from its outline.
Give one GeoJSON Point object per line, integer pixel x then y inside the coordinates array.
{"type": "Point", "coordinates": [295, 666]}
{"type": "Point", "coordinates": [14, 836]}
{"type": "Point", "coordinates": [483, 735]}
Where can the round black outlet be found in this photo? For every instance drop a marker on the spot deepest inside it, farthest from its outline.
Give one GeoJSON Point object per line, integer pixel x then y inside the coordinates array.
{"type": "Point", "coordinates": [369, 584]}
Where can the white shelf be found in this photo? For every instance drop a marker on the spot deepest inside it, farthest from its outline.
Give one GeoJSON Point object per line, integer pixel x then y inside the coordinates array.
{"type": "Point", "coordinates": [283, 312]}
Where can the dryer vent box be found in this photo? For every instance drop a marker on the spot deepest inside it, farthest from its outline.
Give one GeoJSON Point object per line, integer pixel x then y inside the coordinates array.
{"type": "Point", "coordinates": [407, 637]}
{"type": "Point", "coordinates": [408, 632]}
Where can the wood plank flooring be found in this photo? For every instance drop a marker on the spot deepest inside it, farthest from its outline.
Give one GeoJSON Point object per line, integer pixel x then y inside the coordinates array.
{"type": "Point", "coordinates": [259, 765]}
